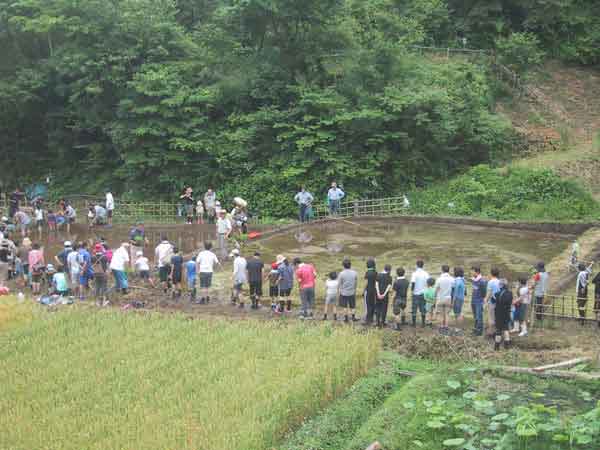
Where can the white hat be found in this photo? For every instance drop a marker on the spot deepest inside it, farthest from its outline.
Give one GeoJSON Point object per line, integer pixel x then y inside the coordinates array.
{"type": "Point", "coordinates": [235, 252]}
{"type": "Point", "coordinates": [280, 259]}
{"type": "Point", "coordinates": [68, 244]}
{"type": "Point", "coordinates": [4, 219]}
{"type": "Point", "coordinates": [139, 253]}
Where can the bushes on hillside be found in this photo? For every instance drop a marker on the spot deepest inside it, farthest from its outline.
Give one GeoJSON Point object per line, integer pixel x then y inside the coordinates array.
{"type": "Point", "coordinates": [507, 194]}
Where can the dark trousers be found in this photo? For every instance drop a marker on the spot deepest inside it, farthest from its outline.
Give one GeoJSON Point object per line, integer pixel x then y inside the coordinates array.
{"type": "Point", "coordinates": [581, 307]}
{"type": "Point", "coordinates": [303, 215]}
{"type": "Point", "coordinates": [381, 307]}
{"type": "Point", "coordinates": [418, 304]}
{"type": "Point", "coordinates": [370, 303]}
{"type": "Point", "coordinates": [539, 308]}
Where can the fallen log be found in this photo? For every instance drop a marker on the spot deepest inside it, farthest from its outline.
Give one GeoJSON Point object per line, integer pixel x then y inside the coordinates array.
{"type": "Point", "coordinates": [563, 365]}
{"type": "Point", "coordinates": [374, 446]}
{"type": "Point", "coordinates": [563, 374]}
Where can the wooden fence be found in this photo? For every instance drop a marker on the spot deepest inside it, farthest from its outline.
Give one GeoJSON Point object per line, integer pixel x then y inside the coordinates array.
{"type": "Point", "coordinates": [560, 307]}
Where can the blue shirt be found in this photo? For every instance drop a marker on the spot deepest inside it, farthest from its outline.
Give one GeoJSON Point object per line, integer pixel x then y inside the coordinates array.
{"type": "Point", "coordinates": [478, 290]}
{"type": "Point", "coordinates": [335, 194]}
{"type": "Point", "coordinates": [304, 198]}
{"type": "Point", "coordinates": [60, 282]}
{"type": "Point", "coordinates": [286, 276]}
{"type": "Point", "coordinates": [458, 292]}
{"type": "Point", "coordinates": [85, 259]}
{"type": "Point", "coordinates": [494, 287]}
{"type": "Point", "coordinates": [190, 268]}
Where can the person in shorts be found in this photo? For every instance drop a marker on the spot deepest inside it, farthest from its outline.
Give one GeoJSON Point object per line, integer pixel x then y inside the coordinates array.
{"type": "Point", "coordinates": [176, 274]}
{"type": "Point", "coordinates": [286, 283]}
{"type": "Point", "coordinates": [205, 266]}
{"type": "Point", "coordinates": [239, 277]}
{"type": "Point", "coordinates": [400, 287]}
{"type": "Point", "coordinates": [162, 257]}
{"type": "Point", "coordinates": [273, 278]}
{"type": "Point", "coordinates": [459, 291]}
{"type": "Point", "coordinates": [255, 279]}
{"type": "Point", "coordinates": [521, 304]}
{"type": "Point", "coordinates": [190, 276]}
{"type": "Point", "coordinates": [331, 294]}
{"type": "Point", "coordinates": [443, 296]}
{"type": "Point", "coordinates": [142, 268]}
{"type": "Point", "coordinates": [348, 281]}
{"type": "Point", "coordinates": [37, 265]}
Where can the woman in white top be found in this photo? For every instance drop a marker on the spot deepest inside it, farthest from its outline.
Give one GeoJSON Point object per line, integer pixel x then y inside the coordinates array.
{"type": "Point", "coordinates": [331, 295]}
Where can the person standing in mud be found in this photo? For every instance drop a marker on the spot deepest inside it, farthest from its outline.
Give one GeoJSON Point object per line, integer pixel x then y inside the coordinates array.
{"type": "Point", "coordinates": [188, 205]}
{"type": "Point", "coordinates": [210, 204]}
{"type": "Point", "coordinates": [370, 292]}
{"type": "Point", "coordinates": [205, 266]}
{"type": "Point", "coordinates": [286, 283]}
{"type": "Point", "coordinates": [255, 278]}
{"type": "Point", "coordinates": [306, 276]}
{"type": "Point", "coordinates": [162, 257]}
{"type": "Point", "coordinates": [137, 240]}
{"type": "Point", "coordinates": [418, 284]}
{"type": "Point", "coordinates": [118, 266]}
{"type": "Point", "coordinates": [239, 278]}
{"type": "Point", "coordinates": [304, 200]}
{"type": "Point", "coordinates": [334, 197]}
{"type": "Point", "coordinates": [110, 206]}
{"type": "Point", "coordinates": [224, 230]}
{"type": "Point", "coordinates": [540, 286]}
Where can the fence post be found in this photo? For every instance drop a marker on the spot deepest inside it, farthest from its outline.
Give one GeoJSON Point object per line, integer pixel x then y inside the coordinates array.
{"type": "Point", "coordinates": [355, 208]}
{"type": "Point", "coordinates": [448, 53]}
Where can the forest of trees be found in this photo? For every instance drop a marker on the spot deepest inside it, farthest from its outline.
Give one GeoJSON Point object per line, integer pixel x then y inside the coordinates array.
{"type": "Point", "coordinates": [256, 97]}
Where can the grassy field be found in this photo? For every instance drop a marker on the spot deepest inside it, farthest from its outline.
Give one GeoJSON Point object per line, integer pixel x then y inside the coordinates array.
{"type": "Point", "coordinates": [107, 380]}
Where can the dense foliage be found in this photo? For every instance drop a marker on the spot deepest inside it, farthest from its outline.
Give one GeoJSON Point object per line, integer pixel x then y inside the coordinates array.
{"type": "Point", "coordinates": [514, 193]}
{"type": "Point", "coordinates": [256, 97]}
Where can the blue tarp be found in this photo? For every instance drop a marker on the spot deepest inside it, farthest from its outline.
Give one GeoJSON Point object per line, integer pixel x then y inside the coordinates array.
{"type": "Point", "coordinates": [36, 190]}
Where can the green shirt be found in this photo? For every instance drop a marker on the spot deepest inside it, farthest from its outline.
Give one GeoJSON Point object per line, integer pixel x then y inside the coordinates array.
{"type": "Point", "coordinates": [430, 295]}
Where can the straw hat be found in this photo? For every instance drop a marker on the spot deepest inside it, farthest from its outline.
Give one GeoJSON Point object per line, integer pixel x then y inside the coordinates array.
{"type": "Point", "coordinates": [280, 259]}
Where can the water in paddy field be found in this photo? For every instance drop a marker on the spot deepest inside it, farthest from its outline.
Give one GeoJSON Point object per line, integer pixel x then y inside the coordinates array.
{"type": "Point", "coordinates": [514, 252]}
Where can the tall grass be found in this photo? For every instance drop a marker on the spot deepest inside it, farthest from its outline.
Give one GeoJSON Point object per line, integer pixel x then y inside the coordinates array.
{"type": "Point", "coordinates": [128, 381]}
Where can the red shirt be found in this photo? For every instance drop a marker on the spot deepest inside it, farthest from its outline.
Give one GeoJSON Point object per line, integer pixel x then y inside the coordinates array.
{"type": "Point", "coordinates": [306, 276]}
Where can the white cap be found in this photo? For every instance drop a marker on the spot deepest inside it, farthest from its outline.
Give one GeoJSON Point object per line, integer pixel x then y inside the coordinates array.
{"type": "Point", "coordinates": [4, 219]}
{"type": "Point", "coordinates": [68, 244]}
{"type": "Point", "coordinates": [235, 252]}
{"type": "Point", "coordinates": [139, 253]}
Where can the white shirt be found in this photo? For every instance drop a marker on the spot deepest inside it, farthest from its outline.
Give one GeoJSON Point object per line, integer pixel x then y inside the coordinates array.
{"type": "Point", "coordinates": [70, 212]}
{"type": "Point", "coordinates": [239, 269]}
{"type": "Point", "coordinates": [163, 253]}
{"type": "Point", "coordinates": [206, 261]}
{"type": "Point", "coordinates": [119, 259]}
{"type": "Point", "coordinates": [39, 214]}
{"type": "Point", "coordinates": [141, 264]}
{"type": "Point", "coordinates": [524, 295]}
{"type": "Point", "coordinates": [110, 201]}
{"type": "Point", "coordinates": [223, 226]}
{"type": "Point", "coordinates": [335, 194]}
{"type": "Point", "coordinates": [72, 262]}
{"type": "Point", "coordinates": [331, 287]}
{"type": "Point", "coordinates": [443, 286]}
{"type": "Point", "coordinates": [419, 278]}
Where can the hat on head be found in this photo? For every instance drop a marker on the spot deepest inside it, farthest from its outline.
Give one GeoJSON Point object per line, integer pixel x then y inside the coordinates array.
{"type": "Point", "coordinates": [138, 253]}
{"type": "Point", "coordinates": [50, 268]}
{"type": "Point", "coordinates": [235, 252]}
{"type": "Point", "coordinates": [98, 248]}
{"type": "Point", "coordinates": [280, 259]}
{"type": "Point", "coordinates": [68, 244]}
{"type": "Point", "coordinates": [125, 244]}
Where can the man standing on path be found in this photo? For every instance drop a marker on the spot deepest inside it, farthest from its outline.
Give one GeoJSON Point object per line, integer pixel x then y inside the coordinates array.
{"type": "Point", "coordinates": [348, 282]}
{"type": "Point", "coordinates": [210, 203]}
{"type": "Point", "coordinates": [540, 285]}
{"type": "Point", "coordinates": [255, 278]}
{"type": "Point", "coordinates": [478, 290]}
{"type": "Point", "coordinates": [304, 200]}
{"type": "Point", "coordinates": [443, 292]}
{"type": "Point", "coordinates": [162, 257]}
{"type": "Point", "coordinates": [205, 266]}
{"type": "Point", "coordinates": [335, 196]}
{"type": "Point", "coordinates": [418, 284]}
{"type": "Point", "coordinates": [224, 229]}
{"type": "Point", "coordinates": [110, 207]}
{"type": "Point", "coordinates": [306, 276]}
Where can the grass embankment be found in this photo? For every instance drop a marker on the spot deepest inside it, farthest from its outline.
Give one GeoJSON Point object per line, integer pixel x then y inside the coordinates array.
{"type": "Point", "coordinates": [122, 381]}
{"type": "Point", "coordinates": [13, 313]}
{"type": "Point", "coordinates": [445, 406]}
{"type": "Point", "coordinates": [508, 194]}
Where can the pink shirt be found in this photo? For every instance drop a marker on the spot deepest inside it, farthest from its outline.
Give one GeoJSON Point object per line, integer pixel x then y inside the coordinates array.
{"type": "Point", "coordinates": [306, 276]}
{"type": "Point", "coordinates": [36, 257]}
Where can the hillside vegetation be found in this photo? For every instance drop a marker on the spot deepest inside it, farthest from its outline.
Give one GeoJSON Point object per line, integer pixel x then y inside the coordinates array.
{"type": "Point", "coordinates": [258, 96]}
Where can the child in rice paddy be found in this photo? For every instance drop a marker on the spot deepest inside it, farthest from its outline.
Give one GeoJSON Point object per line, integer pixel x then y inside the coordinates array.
{"type": "Point", "coordinates": [401, 289]}
{"type": "Point", "coordinates": [190, 269]}
{"type": "Point", "coordinates": [331, 294]}
{"type": "Point", "coordinates": [176, 272]}
{"type": "Point", "coordinates": [273, 278]}
{"type": "Point", "coordinates": [430, 300]}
